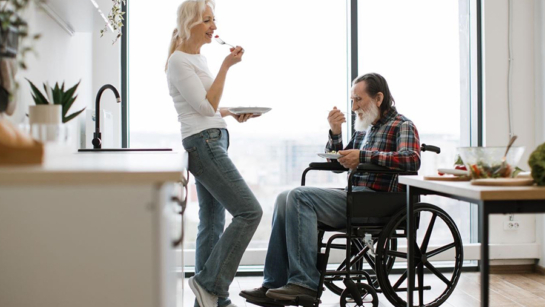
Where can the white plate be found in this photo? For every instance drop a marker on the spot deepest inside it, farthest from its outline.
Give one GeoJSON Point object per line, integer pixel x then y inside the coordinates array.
{"type": "Point", "coordinates": [329, 155]}
{"type": "Point", "coordinates": [247, 110]}
{"type": "Point", "coordinates": [451, 171]}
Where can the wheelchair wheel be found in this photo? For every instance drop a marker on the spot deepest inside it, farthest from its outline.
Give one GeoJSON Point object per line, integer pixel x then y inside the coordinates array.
{"type": "Point", "coordinates": [368, 296]}
{"type": "Point", "coordinates": [335, 283]}
{"type": "Point", "coordinates": [432, 289]}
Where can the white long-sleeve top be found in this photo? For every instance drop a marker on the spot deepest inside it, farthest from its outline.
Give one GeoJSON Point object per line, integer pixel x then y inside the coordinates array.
{"type": "Point", "coordinates": [189, 79]}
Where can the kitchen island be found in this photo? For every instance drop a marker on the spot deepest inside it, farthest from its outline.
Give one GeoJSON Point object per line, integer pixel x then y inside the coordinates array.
{"type": "Point", "coordinates": [91, 229]}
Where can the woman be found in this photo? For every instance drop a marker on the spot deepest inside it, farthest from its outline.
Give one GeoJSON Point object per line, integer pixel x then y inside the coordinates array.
{"type": "Point", "coordinates": [196, 94]}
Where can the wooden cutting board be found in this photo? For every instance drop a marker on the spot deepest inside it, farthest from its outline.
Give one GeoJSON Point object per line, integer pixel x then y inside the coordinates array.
{"type": "Point", "coordinates": [447, 178]}
{"type": "Point", "coordinates": [503, 181]}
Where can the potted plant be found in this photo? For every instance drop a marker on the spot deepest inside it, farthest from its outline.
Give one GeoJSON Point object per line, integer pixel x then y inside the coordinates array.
{"type": "Point", "coordinates": [49, 117]}
{"type": "Point", "coordinates": [115, 19]}
{"type": "Point", "coordinates": [57, 96]}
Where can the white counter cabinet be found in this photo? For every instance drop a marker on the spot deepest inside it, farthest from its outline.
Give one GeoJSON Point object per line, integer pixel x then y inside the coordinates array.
{"type": "Point", "coordinates": [90, 230]}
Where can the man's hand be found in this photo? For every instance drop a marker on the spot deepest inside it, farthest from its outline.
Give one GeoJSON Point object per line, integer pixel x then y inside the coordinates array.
{"type": "Point", "coordinates": [336, 119]}
{"type": "Point", "coordinates": [350, 158]}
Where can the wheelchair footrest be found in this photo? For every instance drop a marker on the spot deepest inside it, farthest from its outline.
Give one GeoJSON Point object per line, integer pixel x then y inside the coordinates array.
{"type": "Point", "coordinates": [263, 304]}
{"type": "Point", "coordinates": [303, 300]}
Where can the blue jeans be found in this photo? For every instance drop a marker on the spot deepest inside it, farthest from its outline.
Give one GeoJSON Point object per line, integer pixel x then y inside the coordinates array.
{"type": "Point", "coordinates": [219, 187]}
{"type": "Point", "coordinates": [293, 246]}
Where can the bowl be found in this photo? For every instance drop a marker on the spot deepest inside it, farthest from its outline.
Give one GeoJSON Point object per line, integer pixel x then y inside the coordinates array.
{"type": "Point", "coordinates": [486, 162]}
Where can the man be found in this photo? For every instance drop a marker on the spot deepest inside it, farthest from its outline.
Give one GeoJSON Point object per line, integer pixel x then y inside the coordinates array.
{"type": "Point", "coordinates": [383, 137]}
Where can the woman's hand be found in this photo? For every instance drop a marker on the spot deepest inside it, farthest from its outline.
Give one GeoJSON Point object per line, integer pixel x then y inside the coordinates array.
{"type": "Point", "coordinates": [350, 158]}
{"type": "Point", "coordinates": [234, 57]}
{"type": "Point", "coordinates": [242, 118]}
{"type": "Point", "coordinates": [336, 119]}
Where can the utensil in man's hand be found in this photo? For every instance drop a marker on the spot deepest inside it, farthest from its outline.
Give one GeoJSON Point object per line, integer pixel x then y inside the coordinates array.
{"type": "Point", "coordinates": [503, 166]}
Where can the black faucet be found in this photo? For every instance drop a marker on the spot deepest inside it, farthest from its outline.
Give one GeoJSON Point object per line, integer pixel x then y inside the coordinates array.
{"type": "Point", "coordinates": [97, 142]}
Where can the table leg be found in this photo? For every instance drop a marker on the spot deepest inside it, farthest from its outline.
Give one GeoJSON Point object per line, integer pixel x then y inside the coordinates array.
{"type": "Point", "coordinates": [410, 245]}
{"type": "Point", "coordinates": [483, 225]}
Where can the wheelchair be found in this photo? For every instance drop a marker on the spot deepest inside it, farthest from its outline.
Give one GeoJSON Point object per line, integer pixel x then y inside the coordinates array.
{"type": "Point", "coordinates": [373, 235]}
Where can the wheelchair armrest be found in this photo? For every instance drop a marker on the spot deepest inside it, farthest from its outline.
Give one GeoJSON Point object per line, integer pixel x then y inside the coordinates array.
{"type": "Point", "coordinates": [333, 166]}
{"type": "Point", "coordinates": [327, 166]}
{"type": "Point", "coordinates": [377, 169]}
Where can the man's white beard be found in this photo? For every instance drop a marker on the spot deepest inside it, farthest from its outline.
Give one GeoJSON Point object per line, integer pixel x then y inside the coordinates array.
{"type": "Point", "coordinates": [367, 118]}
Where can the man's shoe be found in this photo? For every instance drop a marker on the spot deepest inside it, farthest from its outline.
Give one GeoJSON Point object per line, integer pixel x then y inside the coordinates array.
{"type": "Point", "coordinates": [290, 292]}
{"type": "Point", "coordinates": [204, 298]}
{"type": "Point", "coordinates": [258, 296]}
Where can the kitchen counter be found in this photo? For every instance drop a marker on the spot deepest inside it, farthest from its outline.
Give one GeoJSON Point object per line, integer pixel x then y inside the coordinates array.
{"type": "Point", "coordinates": [92, 229]}
{"type": "Point", "coordinates": [100, 168]}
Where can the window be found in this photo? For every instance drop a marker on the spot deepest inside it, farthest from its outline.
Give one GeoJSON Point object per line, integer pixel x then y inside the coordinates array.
{"type": "Point", "coordinates": [420, 47]}
{"type": "Point", "coordinates": [297, 62]}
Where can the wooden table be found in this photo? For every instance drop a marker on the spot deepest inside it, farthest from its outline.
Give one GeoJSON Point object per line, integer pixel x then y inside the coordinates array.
{"type": "Point", "coordinates": [491, 200]}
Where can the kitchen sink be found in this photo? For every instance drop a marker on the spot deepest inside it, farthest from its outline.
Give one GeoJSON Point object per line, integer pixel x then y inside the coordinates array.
{"type": "Point", "coordinates": [123, 149]}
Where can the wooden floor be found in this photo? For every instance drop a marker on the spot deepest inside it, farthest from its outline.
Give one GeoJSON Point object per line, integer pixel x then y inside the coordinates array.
{"type": "Point", "coordinates": [505, 290]}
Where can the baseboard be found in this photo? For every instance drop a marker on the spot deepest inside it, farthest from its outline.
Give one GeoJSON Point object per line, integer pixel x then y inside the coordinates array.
{"type": "Point", "coordinates": [515, 269]}
{"type": "Point", "coordinates": [539, 269]}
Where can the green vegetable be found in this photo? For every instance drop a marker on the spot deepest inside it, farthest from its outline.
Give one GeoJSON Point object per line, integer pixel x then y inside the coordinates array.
{"type": "Point", "coordinates": [459, 160]}
{"type": "Point", "coordinates": [516, 172]}
{"type": "Point", "coordinates": [537, 164]}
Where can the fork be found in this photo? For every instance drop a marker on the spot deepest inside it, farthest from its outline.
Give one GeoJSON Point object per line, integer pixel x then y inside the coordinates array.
{"type": "Point", "coordinates": [503, 166]}
{"type": "Point", "coordinates": [222, 42]}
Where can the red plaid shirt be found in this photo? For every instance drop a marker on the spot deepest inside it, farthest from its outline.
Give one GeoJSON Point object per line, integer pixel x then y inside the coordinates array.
{"type": "Point", "coordinates": [392, 142]}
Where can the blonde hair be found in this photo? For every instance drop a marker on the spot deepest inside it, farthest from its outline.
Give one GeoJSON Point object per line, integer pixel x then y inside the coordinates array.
{"type": "Point", "coordinates": [189, 15]}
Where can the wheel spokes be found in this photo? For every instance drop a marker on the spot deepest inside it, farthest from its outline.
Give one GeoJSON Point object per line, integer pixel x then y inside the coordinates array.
{"type": "Point", "coordinates": [436, 252]}
{"type": "Point", "coordinates": [420, 270]}
{"type": "Point", "coordinates": [426, 240]}
{"type": "Point", "coordinates": [438, 274]}
{"type": "Point", "coordinates": [400, 281]}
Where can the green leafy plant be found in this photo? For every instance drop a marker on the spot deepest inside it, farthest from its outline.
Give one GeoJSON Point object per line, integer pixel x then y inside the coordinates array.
{"type": "Point", "coordinates": [14, 30]}
{"type": "Point", "coordinates": [115, 19]}
{"type": "Point", "coordinates": [59, 96]}
{"type": "Point", "coordinates": [15, 44]}
{"type": "Point", "coordinates": [537, 164]}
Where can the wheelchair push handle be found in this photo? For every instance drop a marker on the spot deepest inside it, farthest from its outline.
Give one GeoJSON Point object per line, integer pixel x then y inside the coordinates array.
{"type": "Point", "coordinates": [432, 148]}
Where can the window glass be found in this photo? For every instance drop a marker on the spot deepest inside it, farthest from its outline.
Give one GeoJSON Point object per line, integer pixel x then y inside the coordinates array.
{"type": "Point", "coordinates": [295, 62]}
{"type": "Point", "coordinates": [421, 48]}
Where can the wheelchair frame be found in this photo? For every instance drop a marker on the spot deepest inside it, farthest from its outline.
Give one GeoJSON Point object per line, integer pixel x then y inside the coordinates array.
{"type": "Point", "coordinates": [360, 221]}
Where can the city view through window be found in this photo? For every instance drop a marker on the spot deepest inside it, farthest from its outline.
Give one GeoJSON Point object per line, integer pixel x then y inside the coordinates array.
{"type": "Point", "coordinates": [296, 62]}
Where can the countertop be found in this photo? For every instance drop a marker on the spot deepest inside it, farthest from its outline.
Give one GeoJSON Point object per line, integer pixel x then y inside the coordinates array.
{"type": "Point", "coordinates": [100, 168]}
{"type": "Point", "coordinates": [466, 189]}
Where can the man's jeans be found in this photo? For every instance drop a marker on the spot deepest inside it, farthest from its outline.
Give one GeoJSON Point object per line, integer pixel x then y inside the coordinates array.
{"type": "Point", "coordinates": [293, 246]}
{"type": "Point", "coordinates": [220, 186]}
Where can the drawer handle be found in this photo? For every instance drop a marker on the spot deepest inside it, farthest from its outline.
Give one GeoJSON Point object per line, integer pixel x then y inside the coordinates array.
{"type": "Point", "coordinates": [183, 204]}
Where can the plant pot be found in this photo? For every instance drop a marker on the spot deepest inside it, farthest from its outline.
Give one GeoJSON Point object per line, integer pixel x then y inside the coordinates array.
{"type": "Point", "coordinates": [46, 123]}
{"type": "Point", "coordinates": [48, 114]}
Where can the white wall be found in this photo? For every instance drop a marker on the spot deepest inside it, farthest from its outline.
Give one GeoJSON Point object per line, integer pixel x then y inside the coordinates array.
{"type": "Point", "coordinates": [64, 58]}
{"type": "Point", "coordinates": [496, 128]}
{"type": "Point", "coordinates": [540, 103]}
{"type": "Point", "coordinates": [107, 69]}
{"type": "Point", "coordinates": [59, 58]}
